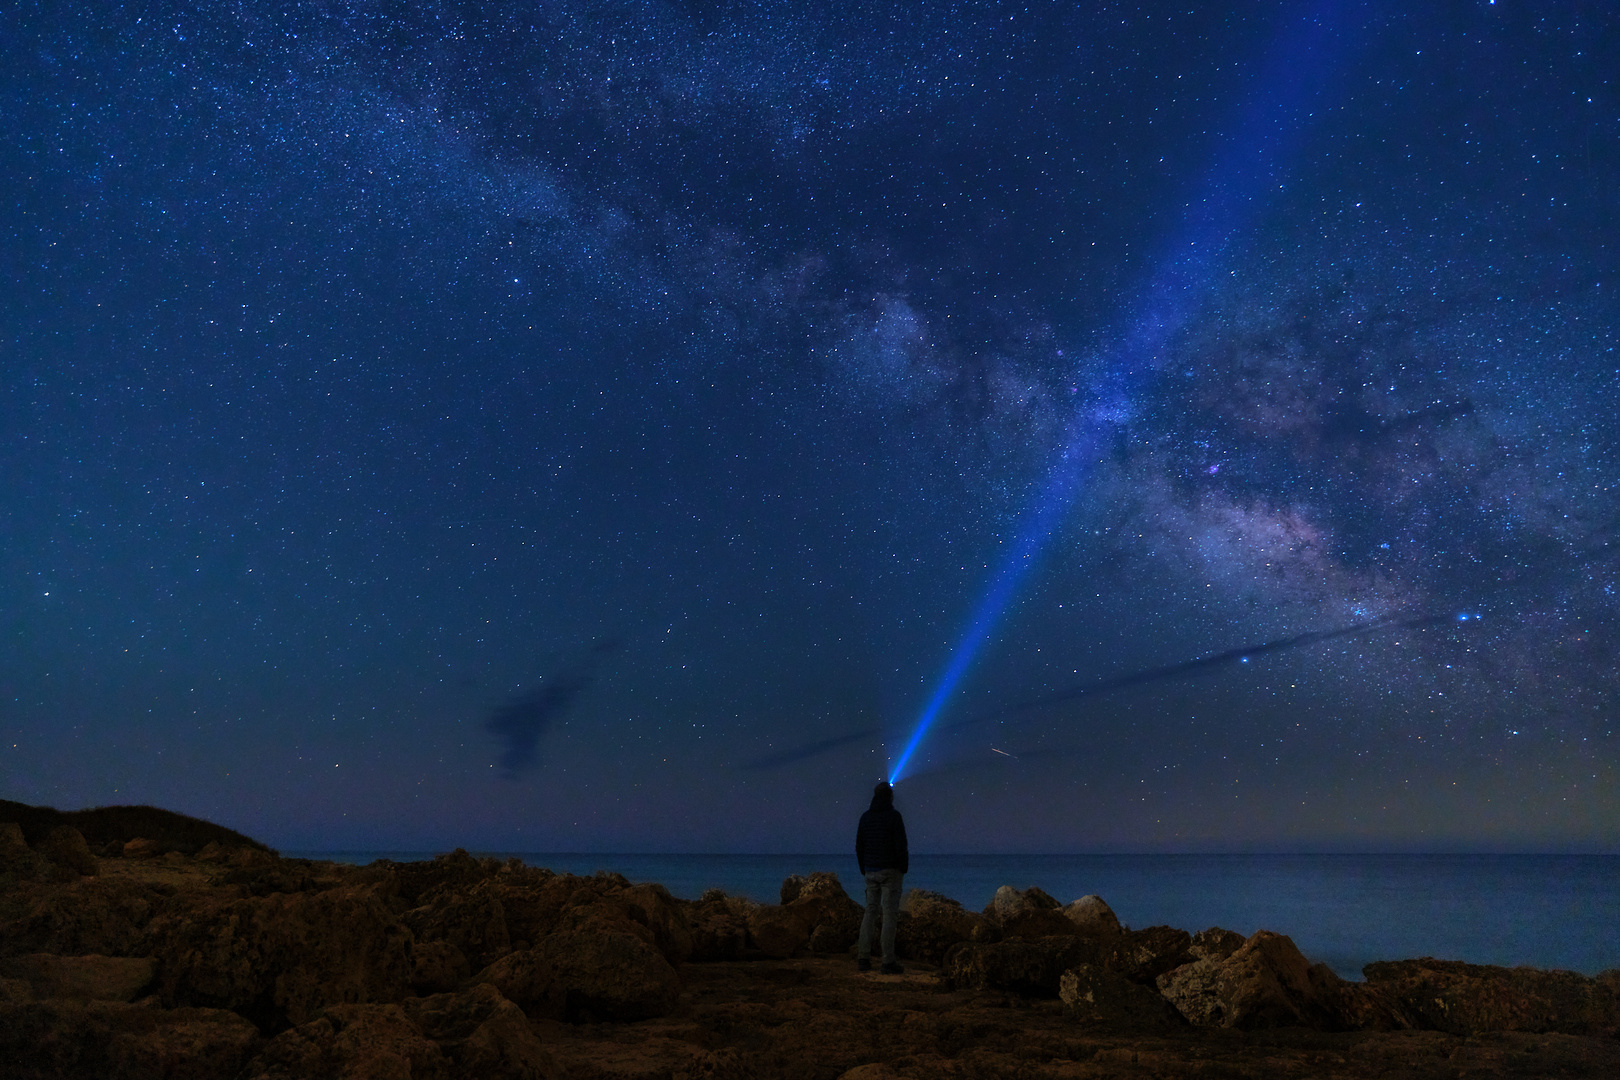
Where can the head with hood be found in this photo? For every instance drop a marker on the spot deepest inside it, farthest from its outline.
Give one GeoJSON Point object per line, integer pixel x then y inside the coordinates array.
{"type": "Point", "coordinates": [882, 795]}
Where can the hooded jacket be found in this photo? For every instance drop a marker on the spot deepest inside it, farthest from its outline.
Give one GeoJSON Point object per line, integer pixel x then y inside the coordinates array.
{"type": "Point", "coordinates": [880, 839]}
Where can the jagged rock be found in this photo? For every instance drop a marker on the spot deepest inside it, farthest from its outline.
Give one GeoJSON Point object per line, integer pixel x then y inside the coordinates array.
{"type": "Point", "coordinates": [1093, 995]}
{"type": "Point", "coordinates": [12, 844]}
{"type": "Point", "coordinates": [777, 931]}
{"type": "Point", "coordinates": [370, 1041]}
{"type": "Point", "coordinates": [65, 846]}
{"type": "Point", "coordinates": [1266, 983]}
{"type": "Point", "coordinates": [437, 967]}
{"type": "Point", "coordinates": [591, 971]}
{"type": "Point", "coordinates": [485, 1036]}
{"type": "Point", "coordinates": [82, 978]}
{"type": "Point", "coordinates": [1465, 999]}
{"type": "Point", "coordinates": [822, 904]}
{"type": "Point", "coordinates": [1031, 913]}
{"type": "Point", "coordinates": [281, 959]}
{"type": "Point", "coordinates": [142, 848]}
{"type": "Point", "coordinates": [104, 915]}
{"type": "Point", "coordinates": [652, 906]}
{"type": "Point", "coordinates": [1214, 944]}
{"type": "Point", "coordinates": [474, 922]}
{"type": "Point", "coordinates": [1031, 968]}
{"type": "Point", "coordinates": [1092, 915]}
{"type": "Point", "coordinates": [54, 1039]}
{"type": "Point", "coordinates": [931, 923]}
{"type": "Point", "coordinates": [1143, 955]}
{"type": "Point", "coordinates": [719, 927]}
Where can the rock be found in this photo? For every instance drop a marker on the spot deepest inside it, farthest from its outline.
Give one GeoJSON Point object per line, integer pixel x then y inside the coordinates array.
{"type": "Point", "coordinates": [652, 906]}
{"type": "Point", "coordinates": [142, 848]}
{"type": "Point", "coordinates": [1031, 968]}
{"type": "Point", "coordinates": [1214, 944]}
{"type": "Point", "coordinates": [822, 904]}
{"type": "Point", "coordinates": [931, 923]}
{"type": "Point", "coordinates": [1095, 996]}
{"type": "Point", "coordinates": [65, 846]}
{"type": "Point", "coordinates": [719, 927]}
{"type": "Point", "coordinates": [777, 931]}
{"type": "Point", "coordinates": [437, 967]}
{"type": "Point", "coordinates": [281, 959]}
{"type": "Point", "coordinates": [1028, 914]}
{"type": "Point", "coordinates": [376, 1042]}
{"type": "Point", "coordinates": [1143, 955]}
{"type": "Point", "coordinates": [12, 844]}
{"type": "Point", "coordinates": [103, 915]}
{"type": "Point", "coordinates": [82, 978]}
{"type": "Point", "coordinates": [474, 922]}
{"type": "Point", "coordinates": [1466, 999]}
{"type": "Point", "coordinates": [591, 972]}
{"type": "Point", "coordinates": [485, 1036]}
{"type": "Point", "coordinates": [54, 1039]}
{"type": "Point", "coordinates": [1264, 984]}
{"type": "Point", "coordinates": [15, 991]}
{"type": "Point", "coordinates": [1092, 915]}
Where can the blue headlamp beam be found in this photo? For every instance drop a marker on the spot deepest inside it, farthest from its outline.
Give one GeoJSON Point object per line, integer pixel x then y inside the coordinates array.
{"type": "Point", "coordinates": [1296, 68]}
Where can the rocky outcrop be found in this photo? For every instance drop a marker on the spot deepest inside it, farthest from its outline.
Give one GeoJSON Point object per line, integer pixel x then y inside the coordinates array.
{"type": "Point", "coordinates": [1092, 916]}
{"type": "Point", "coordinates": [1214, 944]}
{"type": "Point", "coordinates": [281, 960]}
{"type": "Point", "coordinates": [1030, 913]}
{"type": "Point", "coordinates": [351, 1041]}
{"type": "Point", "coordinates": [1263, 984]}
{"type": "Point", "coordinates": [777, 932]}
{"type": "Point", "coordinates": [1019, 966]}
{"type": "Point", "coordinates": [82, 978]}
{"type": "Point", "coordinates": [823, 905]}
{"type": "Point", "coordinates": [54, 1039]}
{"type": "Point", "coordinates": [930, 924]}
{"type": "Point", "coordinates": [472, 922]}
{"type": "Point", "coordinates": [594, 969]}
{"type": "Point", "coordinates": [1467, 999]}
{"type": "Point", "coordinates": [1094, 996]}
{"type": "Point", "coordinates": [719, 927]}
{"type": "Point", "coordinates": [1143, 955]}
{"type": "Point", "coordinates": [102, 915]}
{"type": "Point", "coordinates": [64, 845]}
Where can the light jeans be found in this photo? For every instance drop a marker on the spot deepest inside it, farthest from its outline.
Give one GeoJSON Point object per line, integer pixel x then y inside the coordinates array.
{"type": "Point", "coordinates": [884, 885]}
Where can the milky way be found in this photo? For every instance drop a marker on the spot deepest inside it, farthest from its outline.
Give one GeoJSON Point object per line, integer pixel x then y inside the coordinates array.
{"type": "Point", "coordinates": [367, 363]}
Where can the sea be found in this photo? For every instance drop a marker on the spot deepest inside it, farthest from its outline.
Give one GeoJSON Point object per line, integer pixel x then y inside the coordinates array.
{"type": "Point", "coordinates": [1544, 911]}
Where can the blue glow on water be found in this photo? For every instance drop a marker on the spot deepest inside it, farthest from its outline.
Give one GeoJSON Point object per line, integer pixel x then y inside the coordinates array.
{"type": "Point", "coordinates": [1227, 197]}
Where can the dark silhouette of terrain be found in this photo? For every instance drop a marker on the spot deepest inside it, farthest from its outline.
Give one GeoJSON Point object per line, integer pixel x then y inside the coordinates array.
{"type": "Point", "coordinates": [105, 825]}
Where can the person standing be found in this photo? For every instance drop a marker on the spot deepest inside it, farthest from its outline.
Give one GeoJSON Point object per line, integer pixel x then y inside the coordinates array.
{"type": "Point", "coordinates": [881, 853]}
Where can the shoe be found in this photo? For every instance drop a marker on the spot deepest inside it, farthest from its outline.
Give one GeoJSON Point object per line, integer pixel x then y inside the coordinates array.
{"type": "Point", "coordinates": [863, 965]}
{"type": "Point", "coordinates": [892, 969]}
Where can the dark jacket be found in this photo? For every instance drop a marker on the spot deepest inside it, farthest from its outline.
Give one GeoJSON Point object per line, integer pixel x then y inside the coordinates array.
{"type": "Point", "coordinates": [880, 840]}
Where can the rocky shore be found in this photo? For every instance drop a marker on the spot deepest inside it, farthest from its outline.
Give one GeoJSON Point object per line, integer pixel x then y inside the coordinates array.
{"type": "Point", "coordinates": [137, 943]}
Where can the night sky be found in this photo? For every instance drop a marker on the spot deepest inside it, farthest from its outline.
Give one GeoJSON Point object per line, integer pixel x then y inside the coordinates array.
{"type": "Point", "coordinates": [572, 426]}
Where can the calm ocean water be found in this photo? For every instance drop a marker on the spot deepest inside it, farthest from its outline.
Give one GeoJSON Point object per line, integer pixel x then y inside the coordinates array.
{"type": "Point", "coordinates": [1547, 911]}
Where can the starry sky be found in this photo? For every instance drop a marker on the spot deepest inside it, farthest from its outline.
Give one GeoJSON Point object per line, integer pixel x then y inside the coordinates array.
{"type": "Point", "coordinates": [584, 425]}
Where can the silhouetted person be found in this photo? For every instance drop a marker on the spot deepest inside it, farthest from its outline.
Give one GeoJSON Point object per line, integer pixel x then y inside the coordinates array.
{"type": "Point", "coordinates": [880, 850]}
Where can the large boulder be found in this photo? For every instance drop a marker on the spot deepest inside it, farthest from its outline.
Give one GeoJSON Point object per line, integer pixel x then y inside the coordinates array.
{"type": "Point", "coordinates": [437, 967]}
{"type": "Point", "coordinates": [822, 904]}
{"type": "Point", "coordinates": [485, 1036]}
{"type": "Point", "coordinates": [473, 921]}
{"type": "Point", "coordinates": [1214, 944]}
{"type": "Point", "coordinates": [1030, 913]}
{"type": "Point", "coordinates": [1465, 999]}
{"type": "Point", "coordinates": [1018, 966]}
{"type": "Point", "coordinates": [1266, 983]}
{"type": "Point", "coordinates": [931, 923]}
{"type": "Point", "coordinates": [281, 960]}
{"type": "Point", "coordinates": [1143, 955]}
{"type": "Point", "coordinates": [664, 917]}
{"type": "Point", "coordinates": [105, 915]}
{"type": "Point", "coordinates": [719, 927]}
{"type": "Point", "coordinates": [1092, 916]}
{"type": "Point", "coordinates": [1095, 996]}
{"type": "Point", "coordinates": [592, 971]}
{"type": "Point", "coordinates": [370, 1041]}
{"type": "Point", "coordinates": [53, 1039]}
{"type": "Point", "coordinates": [82, 978]}
{"type": "Point", "coordinates": [64, 845]}
{"type": "Point", "coordinates": [776, 931]}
